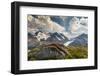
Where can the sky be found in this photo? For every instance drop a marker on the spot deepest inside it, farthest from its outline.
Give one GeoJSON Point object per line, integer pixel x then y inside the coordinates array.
{"type": "Point", "coordinates": [70, 26]}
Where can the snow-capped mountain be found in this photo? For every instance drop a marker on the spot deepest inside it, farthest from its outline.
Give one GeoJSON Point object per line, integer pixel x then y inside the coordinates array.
{"type": "Point", "coordinates": [50, 36]}
{"type": "Point", "coordinates": [57, 37]}
{"type": "Point", "coordinates": [81, 40]}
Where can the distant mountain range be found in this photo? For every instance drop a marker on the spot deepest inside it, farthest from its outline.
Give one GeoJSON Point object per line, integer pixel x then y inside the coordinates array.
{"type": "Point", "coordinates": [81, 40]}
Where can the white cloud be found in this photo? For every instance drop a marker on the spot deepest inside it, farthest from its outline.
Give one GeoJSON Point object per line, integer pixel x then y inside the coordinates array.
{"type": "Point", "coordinates": [84, 21]}
{"type": "Point", "coordinates": [74, 25]}
{"type": "Point", "coordinates": [78, 26]}
{"type": "Point", "coordinates": [44, 23]}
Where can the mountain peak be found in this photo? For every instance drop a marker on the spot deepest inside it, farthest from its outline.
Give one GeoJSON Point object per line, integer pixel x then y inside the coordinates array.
{"type": "Point", "coordinates": [57, 37]}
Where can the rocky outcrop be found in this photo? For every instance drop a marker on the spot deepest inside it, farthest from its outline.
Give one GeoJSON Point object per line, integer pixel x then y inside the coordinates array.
{"type": "Point", "coordinates": [52, 51]}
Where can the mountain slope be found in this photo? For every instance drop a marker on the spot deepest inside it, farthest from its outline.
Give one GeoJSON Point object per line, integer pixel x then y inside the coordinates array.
{"type": "Point", "coordinates": [81, 40]}
{"type": "Point", "coordinates": [57, 37]}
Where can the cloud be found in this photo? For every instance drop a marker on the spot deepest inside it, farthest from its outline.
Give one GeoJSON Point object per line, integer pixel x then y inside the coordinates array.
{"type": "Point", "coordinates": [74, 25]}
{"type": "Point", "coordinates": [84, 21]}
{"type": "Point", "coordinates": [78, 26]}
{"type": "Point", "coordinates": [44, 23]}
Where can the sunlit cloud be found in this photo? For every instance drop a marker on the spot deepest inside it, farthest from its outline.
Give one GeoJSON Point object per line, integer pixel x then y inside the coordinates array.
{"type": "Point", "coordinates": [44, 23]}
{"type": "Point", "coordinates": [78, 26]}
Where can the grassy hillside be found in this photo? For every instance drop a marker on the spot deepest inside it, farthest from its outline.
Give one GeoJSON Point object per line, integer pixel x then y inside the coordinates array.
{"type": "Point", "coordinates": [75, 52]}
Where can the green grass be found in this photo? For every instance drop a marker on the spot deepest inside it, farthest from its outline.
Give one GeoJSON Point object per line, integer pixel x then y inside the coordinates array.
{"type": "Point", "coordinates": [31, 53]}
{"type": "Point", "coordinates": [77, 52]}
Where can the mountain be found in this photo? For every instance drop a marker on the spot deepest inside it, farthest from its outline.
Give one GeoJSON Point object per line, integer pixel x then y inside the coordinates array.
{"type": "Point", "coordinates": [45, 38]}
{"type": "Point", "coordinates": [81, 40]}
{"type": "Point", "coordinates": [57, 37]}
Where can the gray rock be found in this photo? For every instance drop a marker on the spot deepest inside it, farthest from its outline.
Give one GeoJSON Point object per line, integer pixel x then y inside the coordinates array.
{"type": "Point", "coordinates": [32, 43]}
{"type": "Point", "coordinates": [51, 52]}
